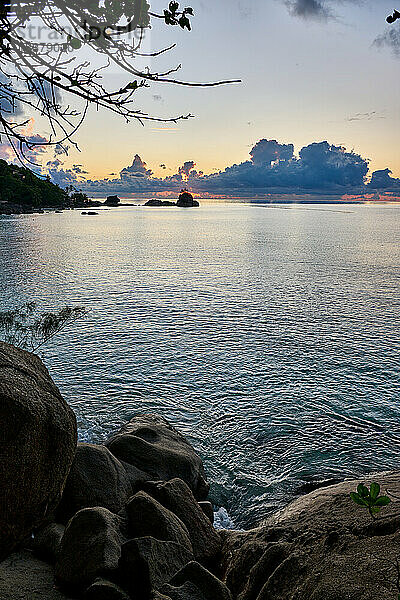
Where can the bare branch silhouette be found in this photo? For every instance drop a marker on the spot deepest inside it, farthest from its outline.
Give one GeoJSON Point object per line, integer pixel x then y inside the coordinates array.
{"type": "Point", "coordinates": [47, 79]}
{"type": "Point", "coordinates": [392, 18]}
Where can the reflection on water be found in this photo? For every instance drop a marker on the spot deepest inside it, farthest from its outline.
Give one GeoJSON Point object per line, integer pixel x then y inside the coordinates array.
{"type": "Point", "coordinates": [269, 335]}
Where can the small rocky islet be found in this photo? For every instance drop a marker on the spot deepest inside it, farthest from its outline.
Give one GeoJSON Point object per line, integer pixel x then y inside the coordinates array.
{"type": "Point", "coordinates": [130, 519]}
{"type": "Point", "coordinates": [185, 200]}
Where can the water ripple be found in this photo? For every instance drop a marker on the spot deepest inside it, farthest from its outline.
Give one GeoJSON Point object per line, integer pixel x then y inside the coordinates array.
{"type": "Point", "coordinates": [270, 337]}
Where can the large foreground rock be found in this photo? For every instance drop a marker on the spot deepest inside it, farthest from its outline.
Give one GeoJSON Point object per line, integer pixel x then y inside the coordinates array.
{"type": "Point", "coordinates": [147, 517]}
{"type": "Point", "coordinates": [47, 541]}
{"type": "Point", "coordinates": [37, 445]}
{"type": "Point", "coordinates": [320, 546]}
{"type": "Point", "coordinates": [176, 496]}
{"type": "Point", "coordinates": [151, 444]}
{"type": "Point", "coordinates": [194, 582]}
{"type": "Point", "coordinates": [25, 577]}
{"type": "Point", "coordinates": [147, 564]}
{"type": "Point", "coordinates": [102, 589]}
{"type": "Point", "coordinates": [91, 546]}
{"type": "Point", "coordinates": [96, 478]}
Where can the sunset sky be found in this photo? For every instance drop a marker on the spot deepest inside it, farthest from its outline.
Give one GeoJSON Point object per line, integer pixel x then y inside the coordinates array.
{"type": "Point", "coordinates": [306, 78]}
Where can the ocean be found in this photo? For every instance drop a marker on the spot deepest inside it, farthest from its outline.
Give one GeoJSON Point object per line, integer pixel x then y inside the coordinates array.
{"type": "Point", "coordinates": [268, 334]}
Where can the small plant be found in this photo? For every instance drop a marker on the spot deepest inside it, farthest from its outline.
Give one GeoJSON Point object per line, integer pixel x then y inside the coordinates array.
{"type": "Point", "coordinates": [26, 328]}
{"type": "Point", "coordinates": [369, 498]}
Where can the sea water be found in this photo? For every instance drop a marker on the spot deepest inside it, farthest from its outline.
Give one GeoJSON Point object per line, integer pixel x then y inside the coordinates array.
{"type": "Point", "coordinates": [268, 334]}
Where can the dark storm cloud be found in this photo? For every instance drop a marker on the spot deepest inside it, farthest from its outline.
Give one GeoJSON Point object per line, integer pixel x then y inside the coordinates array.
{"type": "Point", "coordinates": [274, 168]}
{"type": "Point", "coordinates": [267, 151]}
{"type": "Point", "coordinates": [320, 166]}
{"type": "Point", "coordinates": [382, 180]}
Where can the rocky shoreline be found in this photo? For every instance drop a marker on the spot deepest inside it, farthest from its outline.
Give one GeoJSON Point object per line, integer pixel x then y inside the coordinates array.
{"type": "Point", "coordinates": [7, 208]}
{"type": "Point", "coordinates": [12, 208]}
{"type": "Point", "coordinates": [129, 519]}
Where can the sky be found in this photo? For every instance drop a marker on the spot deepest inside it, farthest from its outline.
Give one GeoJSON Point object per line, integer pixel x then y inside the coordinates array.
{"type": "Point", "coordinates": [311, 70]}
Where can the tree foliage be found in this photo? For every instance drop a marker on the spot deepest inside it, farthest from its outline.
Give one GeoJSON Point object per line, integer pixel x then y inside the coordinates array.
{"type": "Point", "coordinates": [18, 185]}
{"type": "Point", "coordinates": [26, 328]}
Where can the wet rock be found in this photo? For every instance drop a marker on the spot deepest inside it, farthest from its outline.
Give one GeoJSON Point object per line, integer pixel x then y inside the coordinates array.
{"type": "Point", "coordinates": [151, 444]}
{"type": "Point", "coordinates": [147, 517]}
{"type": "Point", "coordinates": [96, 478]}
{"type": "Point", "coordinates": [91, 546]}
{"type": "Point", "coordinates": [38, 440]}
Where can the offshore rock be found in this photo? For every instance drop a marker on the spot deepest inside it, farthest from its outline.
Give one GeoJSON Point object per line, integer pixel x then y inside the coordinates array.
{"type": "Point", "coordinates": [112, 201]}
{"type": "Point", "coordinates": [186, 200]}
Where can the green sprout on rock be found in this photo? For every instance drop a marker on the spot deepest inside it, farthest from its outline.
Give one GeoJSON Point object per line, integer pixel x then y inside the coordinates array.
{"type": "Point", "coordinates": [369, 498]}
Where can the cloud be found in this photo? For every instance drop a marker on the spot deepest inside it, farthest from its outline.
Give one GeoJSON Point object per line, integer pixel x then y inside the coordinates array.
{"type": "Point", "coordinates": [184, 171]}
{"type": "Point", "coordinates": [137, 169]}
{"type": "Point", "coordinates": [368, 116]}
{"type": "Point", "coordinates": [320, 10]}
{"type": "Point", "coordinates": [390, 39]}
{"type": "Point", "coordinates": [381, 180]}
{"type": "Point", "coordinates": [46, 90]}
{"type": "Point", "coordinates": [9, 104]}
{"type": "Point", "coordinates": [273, 167]}
{"type": "Point", "coordinates": [319, 167]}
{"type": "Point", "coordinates": [64, 177]}
{"type": "Point", "coordinates": [78, 170]}
{"type": "Point", "coordinates": [267, 151]}
{"type": "Point", "coordinates": [308, 9]}
{"type": "Point", "coordinates": [32, 149]}
{"type": "Point", "coordinates": [61, 149]}
{"type": "Point", "coordinates": [245, 10]}
{"type": "Point", "coordinates": [14, 92]}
